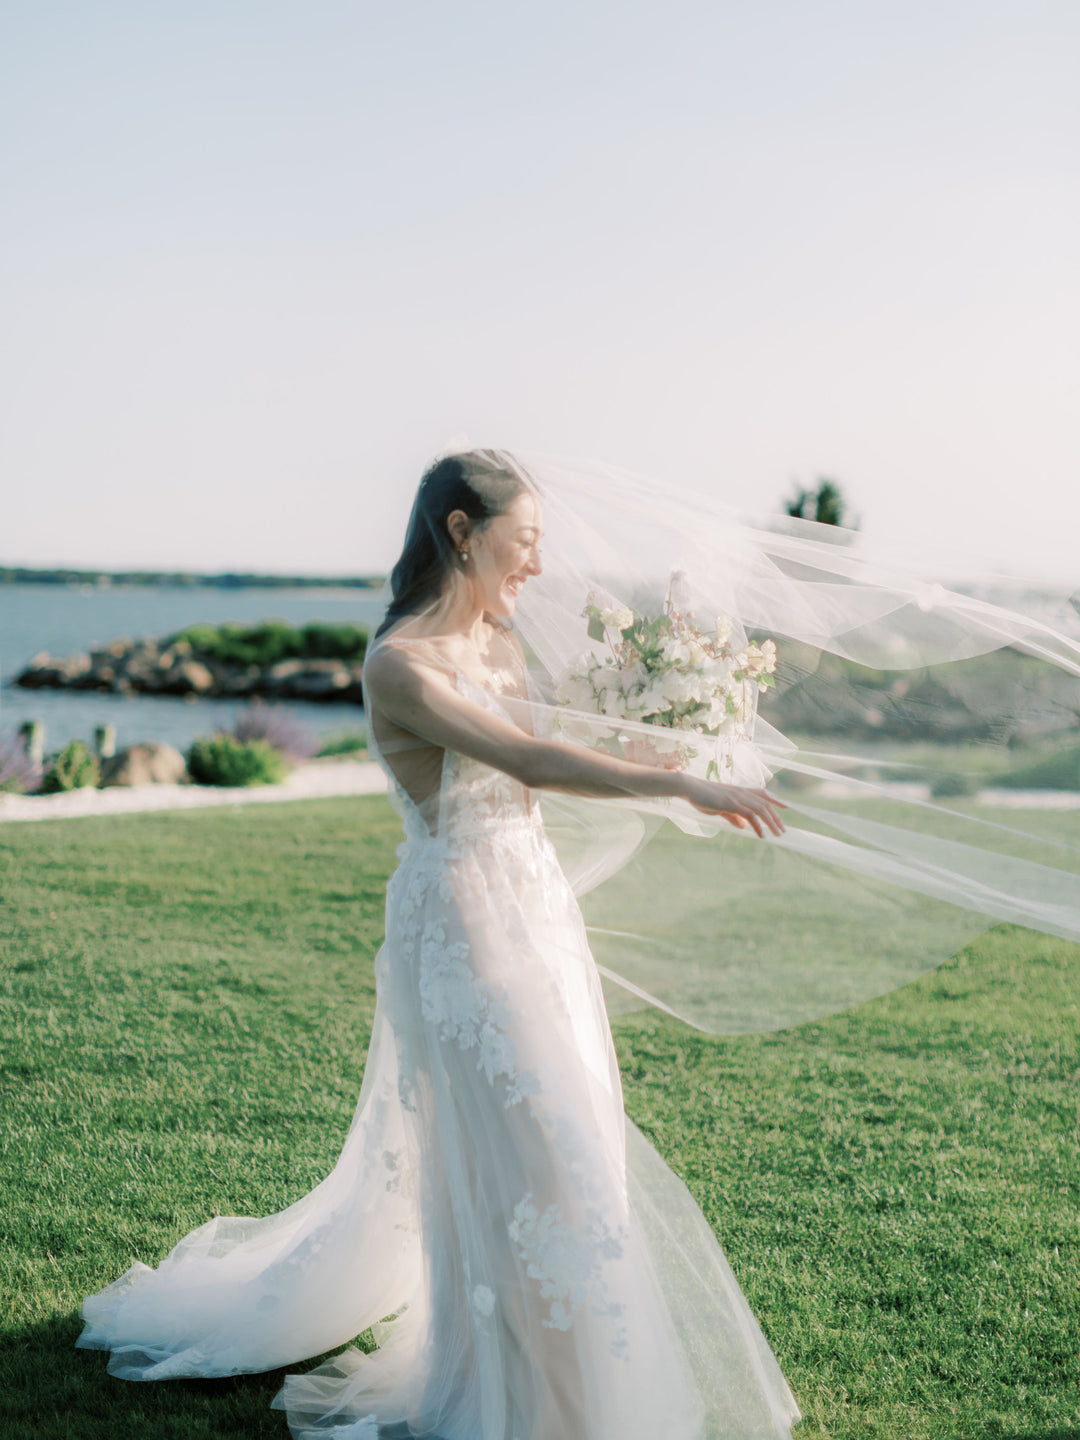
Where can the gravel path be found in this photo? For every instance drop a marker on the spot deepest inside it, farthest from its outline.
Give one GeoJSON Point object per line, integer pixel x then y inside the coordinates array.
{"type": "Point", "coordinates": [311, 781]}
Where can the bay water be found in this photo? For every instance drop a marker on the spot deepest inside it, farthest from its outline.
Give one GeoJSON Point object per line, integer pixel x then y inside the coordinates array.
{"type": "Point", "coordinates": [65, 618]}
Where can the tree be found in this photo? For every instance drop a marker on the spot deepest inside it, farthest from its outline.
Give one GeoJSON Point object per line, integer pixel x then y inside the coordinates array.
{"type": "Point", "coordinates": [825, 504]}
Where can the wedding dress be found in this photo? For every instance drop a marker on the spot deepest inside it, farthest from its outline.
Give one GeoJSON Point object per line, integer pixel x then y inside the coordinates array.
{"type": "Point", "coordinates": [530, 1266]}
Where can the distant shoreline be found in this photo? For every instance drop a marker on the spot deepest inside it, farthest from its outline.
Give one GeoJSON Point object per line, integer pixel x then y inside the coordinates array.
{"type": "Point", "coordinates": [225, 580]}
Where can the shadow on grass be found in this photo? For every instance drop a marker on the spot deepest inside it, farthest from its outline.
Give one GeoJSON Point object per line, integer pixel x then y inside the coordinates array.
{"type": "Point", "coordinates": [1070, 1432]}
{"type": "Point", "coordinates": [52, 1391]}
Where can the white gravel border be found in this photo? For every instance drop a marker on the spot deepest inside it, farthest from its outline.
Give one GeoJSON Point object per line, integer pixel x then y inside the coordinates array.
{"type": "Point", "coordinates": [319, 778]}
{"type": "Point", "coordinates": [316, 779]}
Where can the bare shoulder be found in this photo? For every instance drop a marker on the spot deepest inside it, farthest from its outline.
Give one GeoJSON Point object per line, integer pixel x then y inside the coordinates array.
{"type": "Point", "coordinates": [396, 670]}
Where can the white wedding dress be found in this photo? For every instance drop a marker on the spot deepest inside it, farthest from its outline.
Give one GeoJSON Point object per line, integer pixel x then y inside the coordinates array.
{"type": "Point", "coordinates": [531, 1267]}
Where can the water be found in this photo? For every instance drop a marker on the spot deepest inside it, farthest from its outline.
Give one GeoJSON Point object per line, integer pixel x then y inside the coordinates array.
{"type": "Point", "coordinates": [62, 619]}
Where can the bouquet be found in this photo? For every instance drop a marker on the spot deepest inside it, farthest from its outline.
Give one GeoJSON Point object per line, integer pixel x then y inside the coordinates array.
{"type": "Point", "coordinates": [665, 670]}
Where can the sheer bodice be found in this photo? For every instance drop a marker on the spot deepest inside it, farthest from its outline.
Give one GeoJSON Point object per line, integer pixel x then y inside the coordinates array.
{"type": "Point", "coordinates": [443, 795]}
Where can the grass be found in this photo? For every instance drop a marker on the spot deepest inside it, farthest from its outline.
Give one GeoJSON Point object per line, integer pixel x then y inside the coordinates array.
{"type": "Point", "coordinates": [187, 999]}
{"type": "Point", "coordinates": [1060, 771]}
{"type": "Point", "coordinates": [345, 742]}
{"type": "Point", "coordinates": [1048, 764]}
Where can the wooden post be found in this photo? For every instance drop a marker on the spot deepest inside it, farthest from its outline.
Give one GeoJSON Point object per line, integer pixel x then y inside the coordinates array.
{"type": "Point", "coordinates": [33, 736]}
{"type": "Point", "coordinates": [105, 741]}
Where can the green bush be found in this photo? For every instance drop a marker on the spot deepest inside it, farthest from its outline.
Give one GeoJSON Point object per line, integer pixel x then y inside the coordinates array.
{"type": "Point", "coordinates": [274, 640]}
{"type": "Point", "coordinates": [322, 641]}
{"type": "Point", "coordinates": [72, 768]}
{"type": "Point", "coordinates": [1058, 772]}
{"type": "Point", "coordinates": [224, 760]}
{"type": "Point", "coordinates": [954, 783]}
{"type": "Point", "coordinates": [349, 742]}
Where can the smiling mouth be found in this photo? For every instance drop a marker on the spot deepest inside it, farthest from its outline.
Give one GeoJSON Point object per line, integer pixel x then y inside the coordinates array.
{"type": "Point", "coordinates": [514, 584]}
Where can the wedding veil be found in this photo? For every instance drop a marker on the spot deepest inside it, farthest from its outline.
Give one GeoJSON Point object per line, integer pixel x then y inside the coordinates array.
{"type": "Point", "coordinates": [889, 666]}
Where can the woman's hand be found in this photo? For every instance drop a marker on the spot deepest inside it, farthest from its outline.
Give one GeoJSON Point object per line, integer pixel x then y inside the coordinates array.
{"type": "Point", "coordinates": [739, 804]}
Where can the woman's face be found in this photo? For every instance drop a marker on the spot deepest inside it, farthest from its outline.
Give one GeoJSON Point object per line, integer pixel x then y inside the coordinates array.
{"type": "Point", "coordinates": [504, 554]}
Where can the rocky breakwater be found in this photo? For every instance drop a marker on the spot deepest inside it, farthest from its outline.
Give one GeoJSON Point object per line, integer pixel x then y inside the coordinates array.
{"type": "Point", "coordinates": [179, 667]}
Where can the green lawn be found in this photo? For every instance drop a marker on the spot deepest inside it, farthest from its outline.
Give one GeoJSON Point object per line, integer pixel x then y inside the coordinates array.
{"type": "Point", "coordinates": [186, 1003]}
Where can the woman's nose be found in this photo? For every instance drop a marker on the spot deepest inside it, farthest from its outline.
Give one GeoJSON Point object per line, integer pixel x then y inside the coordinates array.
{"type": "Point", "coordinates": [536, 565]}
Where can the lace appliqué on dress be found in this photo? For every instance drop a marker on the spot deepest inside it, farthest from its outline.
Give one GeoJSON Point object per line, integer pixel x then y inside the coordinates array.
{"type": "Point", "coordinates": [568, 1264]}
{"type": "Point", "coordinates": [467, 1010]}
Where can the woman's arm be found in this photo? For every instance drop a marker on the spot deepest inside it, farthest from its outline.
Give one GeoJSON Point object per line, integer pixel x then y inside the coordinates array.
{"type": "Point", "coordinates": [423, 700]}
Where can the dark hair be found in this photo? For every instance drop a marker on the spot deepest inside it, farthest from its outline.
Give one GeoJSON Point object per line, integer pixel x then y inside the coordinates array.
{"type": "Point", "coordinates": [478, 482]}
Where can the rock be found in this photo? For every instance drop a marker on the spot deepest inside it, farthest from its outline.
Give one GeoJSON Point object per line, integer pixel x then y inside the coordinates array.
{"type": "Point", "coordinates": [189, 677]}
{"type": "Point", "coordinates": [149, 668]}
{"type": "Point", "coordinates": [44, 672]}
{"type": "Point", "coordinates": [308, 679]}
{"type": "Point", "coordinates": [241, 681]}
{"type": "Point", "coordinates": [144, 765]}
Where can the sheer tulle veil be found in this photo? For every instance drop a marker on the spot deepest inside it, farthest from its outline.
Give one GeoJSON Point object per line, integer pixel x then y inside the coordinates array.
{"type": "Point", "coordinates": [874, 881]}
{"type": "Point", "coordinates": [527, 1262]}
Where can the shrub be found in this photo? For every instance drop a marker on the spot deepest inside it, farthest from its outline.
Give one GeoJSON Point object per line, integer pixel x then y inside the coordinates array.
{"type": "Point", "coordinates": [19, 772]}
{"type": "Point", "coordinates": [278, 727]}
{"type": "Point", "coordinates": [322, 641]}
{"type": "Point", "coordinates": [224, 760]}
{"type": "Point", "coordinates": [273, 640]}
{"type": "Point", "coordinates": [954, 783]}
{"type": "Point", "coordinates": [348, 742]}
{"type": "Point", "coordinates": [73, 768]}
{"type": "Point", "coordinates": [826, 504]}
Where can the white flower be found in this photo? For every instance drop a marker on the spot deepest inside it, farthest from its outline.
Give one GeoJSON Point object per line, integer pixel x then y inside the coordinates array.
{"type": "Point", "coordinates": [575, 688]}
{"type": "Point", "coordinates": [581, 694]}
{"type": "Point", "coordinates": [619, 618]}
{"type": "Point", "coordinates": [679, 687]}
{"type": "Point", "coordinates": [613, 703]}
{"type": "Point", "coordinates": [653, 699]}
{"type": "Point", "coordinates": [483, 1300]}
{"type": "Point", "coordinates": [717, 672]}
{"type": "Point", "coordinates": [755, 660]}
{"type": "Point", "coordinates": [723, 629]}
{"type": "Point", "coordinates": [675, 651]}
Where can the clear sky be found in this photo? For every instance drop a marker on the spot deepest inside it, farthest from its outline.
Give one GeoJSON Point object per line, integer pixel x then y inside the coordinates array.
{"type": "Point", "coordinates": [261, 259]}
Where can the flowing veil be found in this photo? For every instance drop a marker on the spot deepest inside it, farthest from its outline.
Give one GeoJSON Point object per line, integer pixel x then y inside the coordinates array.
{"type": "Point", "coordinates": [881, 874]}
{"type": "Point", "coordinates": [526, 1259]}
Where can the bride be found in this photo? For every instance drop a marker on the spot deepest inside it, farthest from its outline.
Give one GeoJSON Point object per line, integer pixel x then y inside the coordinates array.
{"type": "Point", "coordinates": [530, 1267]}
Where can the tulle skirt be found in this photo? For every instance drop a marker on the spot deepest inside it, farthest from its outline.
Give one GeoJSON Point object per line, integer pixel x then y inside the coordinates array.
{"type": "Point", "coordinates": [530, 1267]}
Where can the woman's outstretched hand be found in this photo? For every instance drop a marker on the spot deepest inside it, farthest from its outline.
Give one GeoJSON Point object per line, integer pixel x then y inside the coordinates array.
{"type": "Point", "coordinates": [740, 805]}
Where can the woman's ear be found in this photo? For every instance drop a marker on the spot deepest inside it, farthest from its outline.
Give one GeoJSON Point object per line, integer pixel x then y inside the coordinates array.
{"type": "Point", "coordinates": [459, 526]}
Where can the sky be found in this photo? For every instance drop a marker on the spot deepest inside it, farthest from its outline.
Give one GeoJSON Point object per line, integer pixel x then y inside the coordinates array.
{"type": "Point", "coordinates": [259, 262]}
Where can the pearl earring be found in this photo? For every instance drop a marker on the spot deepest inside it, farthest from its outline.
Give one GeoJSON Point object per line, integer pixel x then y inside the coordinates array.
{"type": "Point", "coordinates": [464, 555]}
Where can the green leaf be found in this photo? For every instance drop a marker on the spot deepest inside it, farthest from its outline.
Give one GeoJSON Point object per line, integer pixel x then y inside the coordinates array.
{"type": "Point", "coordinates": [596, 628]}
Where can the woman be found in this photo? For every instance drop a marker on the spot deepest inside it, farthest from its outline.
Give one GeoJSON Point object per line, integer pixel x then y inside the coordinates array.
{"type": "Point", "coordinates": [547, 1275]}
